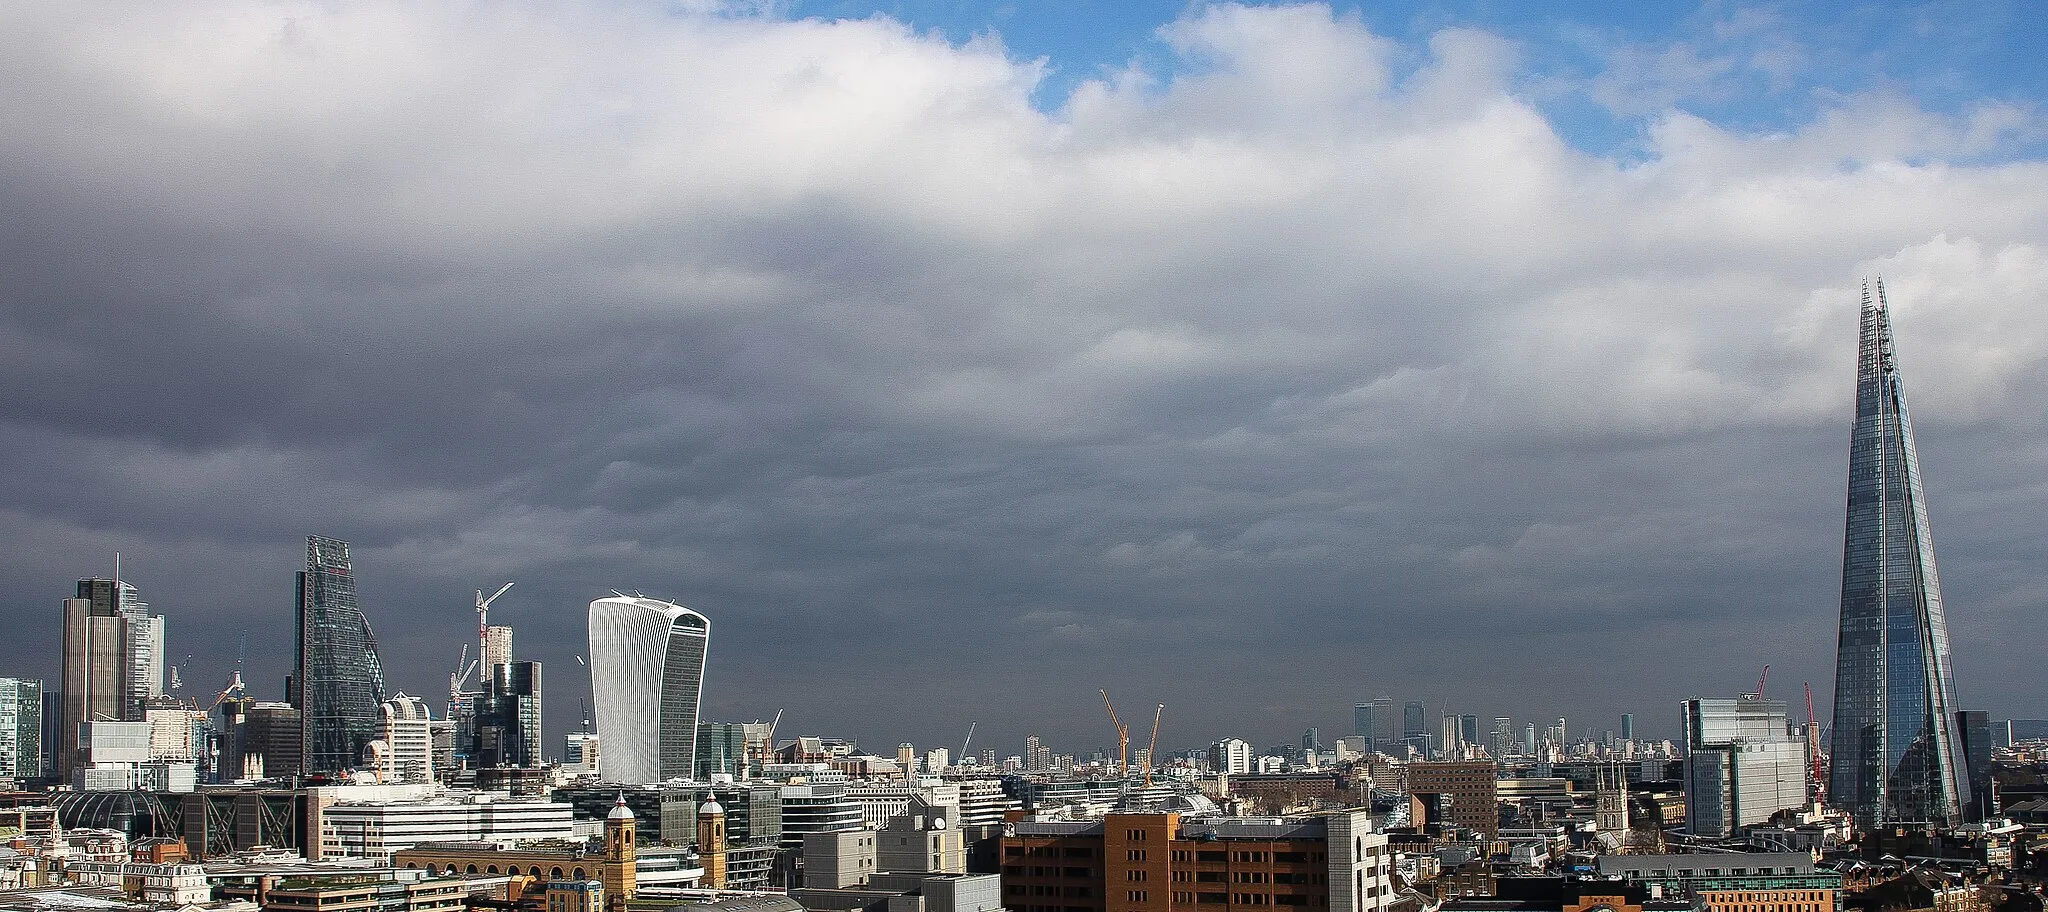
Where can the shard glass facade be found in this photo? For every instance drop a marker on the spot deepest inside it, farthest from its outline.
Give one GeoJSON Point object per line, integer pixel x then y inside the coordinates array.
{"type": "Point", "coordinates": [1895, 751]}
{"type": "Point", "coordinates": [339, 685]}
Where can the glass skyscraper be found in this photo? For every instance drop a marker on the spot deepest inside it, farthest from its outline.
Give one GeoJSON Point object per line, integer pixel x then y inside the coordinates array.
{"type": "Point", "coordinates": [339, 684]}
{"type": "Point", "coordinates": [1895, 751]}
{"type": "Point", "coordinates": [646, 675]}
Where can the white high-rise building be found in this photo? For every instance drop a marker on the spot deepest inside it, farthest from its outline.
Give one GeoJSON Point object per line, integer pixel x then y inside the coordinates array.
{"type": "Point", "coordinates": [1231, 755]}
{"type": "Point", "coordinates": [1742, 764]}
{"type": "Point", "coordinates": [145, 651]}
{"type": "Point", "coordinates": [646, 674]}
{"type": "Point", "coordinates": [408, 740]}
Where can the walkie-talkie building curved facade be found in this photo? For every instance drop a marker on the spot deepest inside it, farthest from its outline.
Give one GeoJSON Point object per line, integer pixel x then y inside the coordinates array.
{"type": "Point", "coordinates": [1895, 752]}
{"type": "Point", "coordinates": [646, 675]}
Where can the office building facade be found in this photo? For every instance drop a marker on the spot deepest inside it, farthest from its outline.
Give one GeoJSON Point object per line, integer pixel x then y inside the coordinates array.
{"type": "Point", "coordinates": [21, 731]}
{"type": "Point", "coordinates": [1163, 862]}
{"type": "Point", "coordinates": [507, 718]}
{"type": "Point", "coordinates": [339, 683]}
{"type": "Point", "coordinates": [1459, 793]}
{"type": "Point", "coordinates": [97, 664]}
{"type": "Point", "coordinates": [1896, 754]}
{"type": "Point", "coordinates": [1742, 764]}
{"type": "Point", "coordinates": [647, 675]}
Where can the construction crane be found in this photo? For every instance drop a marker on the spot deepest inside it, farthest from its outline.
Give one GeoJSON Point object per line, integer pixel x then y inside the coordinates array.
{"type": "Point", "coordinates": [967, 740]}
{"type": "Point", "coordinates": [483, 611]}
{"type": "Point", "coordinates": [1152, 762]}
{"type": "Point", "coordinates": [459, 678]}
{"type": "Point", "coordinates": [1123, 739]}
{"type": "Point", "coordinates": [1766, 677]}
{"type": "Point", "coordinates": [234, 688]}
{"type": "Point", "coordinates": [1818, 787]}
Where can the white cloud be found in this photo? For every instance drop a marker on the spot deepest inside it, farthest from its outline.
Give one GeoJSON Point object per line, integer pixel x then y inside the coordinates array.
{"type": "Point", "coordinates": [830, 310]}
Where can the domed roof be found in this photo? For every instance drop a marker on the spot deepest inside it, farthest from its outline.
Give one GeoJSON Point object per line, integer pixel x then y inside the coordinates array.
{"type": "Point", "coordinates": [710, 807]}
{"type": "Point", "coordinates": [620, 811]}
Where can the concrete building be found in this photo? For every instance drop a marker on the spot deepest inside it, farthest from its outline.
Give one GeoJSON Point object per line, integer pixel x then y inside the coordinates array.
{"type": "Point", "coordinates": [1231, 756]}
{"type": "Point", "coordinates": [580, 753]}
{"type": "Point", "coordinates": [382, 828]}
{"type": "Point", "coordinates": [116, 757]}
{"type": "Point", "coordinates": [838, 860]}
{"type": "Point", "coordinates": [408, 737]}
{"type": "Point", "coordinates": [1161, 863]}
{"type": "Point", "coordinates": [925, 839]}
{"type": "Point", "coordinates": [817, 807]}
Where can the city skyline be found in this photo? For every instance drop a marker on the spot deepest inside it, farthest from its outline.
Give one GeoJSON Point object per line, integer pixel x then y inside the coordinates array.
{"type": "Point", "coordinates": [1255, 360]}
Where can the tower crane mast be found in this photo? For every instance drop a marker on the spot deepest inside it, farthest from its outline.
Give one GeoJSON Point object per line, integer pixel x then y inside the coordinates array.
{"type": "Point", "coordinates": [1123, 738]}
{"type": "Point", "coordinates": [1151, 761]}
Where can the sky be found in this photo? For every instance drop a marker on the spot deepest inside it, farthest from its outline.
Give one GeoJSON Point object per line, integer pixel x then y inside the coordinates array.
{"type": "Point", "coordinates": [959, 360]}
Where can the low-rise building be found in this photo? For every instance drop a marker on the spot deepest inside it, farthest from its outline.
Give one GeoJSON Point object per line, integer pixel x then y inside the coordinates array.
{"type": "Point", "coordinates": [381, 828]}
{"type": "Point", "coordinates": [1734, 882]}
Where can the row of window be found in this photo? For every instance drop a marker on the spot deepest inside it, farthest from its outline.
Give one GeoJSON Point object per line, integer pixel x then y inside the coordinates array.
{"type": "Point", "coordinates": [1039, 890]}
{"type": "Point", "coordinates": [1249, 899]}
{"type": "Point", "coordinates": [1047, 851]}
{"type": "Point", "coordinates": [555, 873]}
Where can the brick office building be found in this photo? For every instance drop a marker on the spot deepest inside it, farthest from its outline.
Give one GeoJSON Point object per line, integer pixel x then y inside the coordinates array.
{"type": "Point", "coordinates": [1164, 863]}
{"type": "Point", "coordinates": [1461, 793]}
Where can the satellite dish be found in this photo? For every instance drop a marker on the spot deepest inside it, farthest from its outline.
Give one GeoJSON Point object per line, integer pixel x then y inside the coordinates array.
{"type": "Point", "coordinates": [938, 823]}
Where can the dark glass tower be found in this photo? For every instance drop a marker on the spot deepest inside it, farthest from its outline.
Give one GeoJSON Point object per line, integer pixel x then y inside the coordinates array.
{"type": "Point", "coordinates": [1895, 750]}
{"type": "Point", "coordinates": [339, 687]}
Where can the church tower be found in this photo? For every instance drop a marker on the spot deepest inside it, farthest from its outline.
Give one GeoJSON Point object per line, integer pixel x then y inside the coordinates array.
{"type": "Point", "coordinates": [1610, 802]}
{"type": "Point", "coordinates": [621, 857]}
{"type": "Point", "coordinates": [711, 842]}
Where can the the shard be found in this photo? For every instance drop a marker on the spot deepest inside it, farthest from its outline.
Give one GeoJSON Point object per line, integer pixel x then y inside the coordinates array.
{"type": "Point", "coordinates": [1895, 751]}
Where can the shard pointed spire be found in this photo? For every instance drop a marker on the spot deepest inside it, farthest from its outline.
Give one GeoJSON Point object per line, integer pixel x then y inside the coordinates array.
{"type": "Point", "coordinates": [1894, 748]}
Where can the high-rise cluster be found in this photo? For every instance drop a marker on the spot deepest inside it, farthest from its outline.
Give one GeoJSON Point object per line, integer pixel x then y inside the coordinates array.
{"type": "Point", "coordinates": [113, 657]}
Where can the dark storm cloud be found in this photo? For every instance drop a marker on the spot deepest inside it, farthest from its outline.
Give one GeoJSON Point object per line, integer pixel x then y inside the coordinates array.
{"type": "Point", "coordinates": [1257, 390]}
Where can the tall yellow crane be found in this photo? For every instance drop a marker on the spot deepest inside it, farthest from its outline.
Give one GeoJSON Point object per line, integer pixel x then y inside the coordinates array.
{"type": "Point", "coordinates": [1151, 760]}
{"type": "Point", "coordinates": [1123, 738]}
